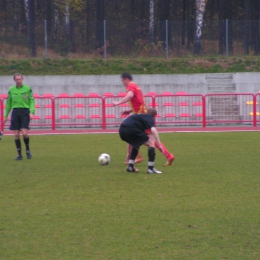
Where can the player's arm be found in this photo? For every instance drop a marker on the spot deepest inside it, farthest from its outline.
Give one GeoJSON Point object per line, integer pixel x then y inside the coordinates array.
{"type": "Point", "coordinates": [31, 103]}
{"type": "Point", "coordinates": [8, 106]}
{"type": "Point", "coordinates": [126, 112]}
{"type": "Point", "coordinates": [156, 137]}
{"type": "Point", "coordinates": [129, 96]}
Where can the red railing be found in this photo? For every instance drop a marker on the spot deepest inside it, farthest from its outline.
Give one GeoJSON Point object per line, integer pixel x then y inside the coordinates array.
{"type": "Point", "coordinates": [256, 110]}
{"type": "Point", "coordinates": [179, 109]}
{"type": "Point", "coordinates": [1, 115]}
{"type": "Point", "coordinates": [229, 108]}
{"type": "Point", "coordinates": [173, 110]}
{"type": "Point", "coordinates": [78, 111]}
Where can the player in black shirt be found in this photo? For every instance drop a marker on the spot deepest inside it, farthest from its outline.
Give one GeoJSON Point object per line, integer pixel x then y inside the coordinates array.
{"type": "Point", "coordinates": [133, 131]}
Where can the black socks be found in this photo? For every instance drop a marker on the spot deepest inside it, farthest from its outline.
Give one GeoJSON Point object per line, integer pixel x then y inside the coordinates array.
{"type": "Point", "coordinates": [151, 157]}
{"type": "Point", "coordinates": [18, 146]}
{"type": "Point", "coordinates": [133, 155]}
{"type": "Point", "coordinates": [26, 142]}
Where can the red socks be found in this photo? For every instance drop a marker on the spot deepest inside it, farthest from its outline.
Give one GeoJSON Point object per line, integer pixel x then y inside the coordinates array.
{"type": "Point", "coordinates": [166, 152]}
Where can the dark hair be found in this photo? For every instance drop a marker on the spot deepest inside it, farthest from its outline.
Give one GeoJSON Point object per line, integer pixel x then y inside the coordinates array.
{"type": "Point", "coordinates": [18, 74]}
{"type": "Point", "coordinates": [126, 75]}
{"type": "Point", "coordinates": [152, 111]}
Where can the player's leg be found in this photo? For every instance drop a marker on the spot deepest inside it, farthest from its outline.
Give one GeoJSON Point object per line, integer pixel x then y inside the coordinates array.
{"type": "Point", "coordinates": [128, 152]}
{"type": "Point", "coordinates": [125, 134]}
{"type": "Point", "coordinates": [132, 158]}
{"type": "Point", "coordinates": [16, 126]}
{"type": "Point", "coordinates": [26, 142]}
{"type": "Point", "coordinates": [151, 157]}
{"type": "Point", "coordinates": [18, 145]}
{"type": "Point", "coordinates": [25, 121]}
{"type": "Point", "coordinates": [169, 157]}
{"type": "Point", "coordinates": [139, 157]}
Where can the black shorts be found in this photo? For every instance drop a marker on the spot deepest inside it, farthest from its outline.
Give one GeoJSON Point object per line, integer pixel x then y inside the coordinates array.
{"type": "Point", "coordinates": [20, 119]}
{"type": "Point", "coordinates": [133, 136]}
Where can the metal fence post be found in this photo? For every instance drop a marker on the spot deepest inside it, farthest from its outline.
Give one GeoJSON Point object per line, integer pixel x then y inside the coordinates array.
{"type": "Point", "coordinates": [45, 39]}
{"type": "Point", "coordinates": [204, 118]}
{"type": "Point", "coordinates": [53, 114]}
{"type": "Point", "coordinates": [104, 126]}
{"type": "Point", "coordinates": [2, 114]}
{"type": "Point", "coordinates": [227, 37]}
{"type": "Point", "coordinates": [254, 110]}
{"type": "Point", "coordinates": [105, 41]}
{"type": "Point", "coordinates": [167, 40]}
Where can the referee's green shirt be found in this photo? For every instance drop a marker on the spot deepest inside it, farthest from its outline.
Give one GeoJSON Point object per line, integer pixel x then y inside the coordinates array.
{"type": "Point", "coordinates": [20, 97]}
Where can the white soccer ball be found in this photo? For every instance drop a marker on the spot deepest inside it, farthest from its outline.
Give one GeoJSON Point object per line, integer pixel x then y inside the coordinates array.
{"type": "Point", "coordinates": [104, 159]}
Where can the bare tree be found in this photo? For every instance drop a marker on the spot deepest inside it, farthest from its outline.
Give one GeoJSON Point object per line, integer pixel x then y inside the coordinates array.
{"type": "Point", "coordinates": [49, 14]}
{"type": "Point", "coordinates": [200, 8]}
{"type": "Point", "coordinates": [220, 28]}
{"type": "Point", "coordinates": [29, 11]}
{"type": "Point", "coordinates": [100, 16]}
{"type": "Point", "coordinates": [56, 22]}
{"type": "Point", "coordinates": [16, 13]}
{"type": "Point", "coordinates": [151, 21]}
{"type": "Point", "coordinates": [246, 32]}
{"type": "Point", "coordinates": [66, 30]}
{"type": "Point", "coordinates": [183, 26]}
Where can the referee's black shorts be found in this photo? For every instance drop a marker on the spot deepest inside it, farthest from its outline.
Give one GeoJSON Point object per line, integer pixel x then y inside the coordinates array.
{"type": "Point", "coordinates": [133, 136]}
{"type": "Point", "coordinates": [20, 118]}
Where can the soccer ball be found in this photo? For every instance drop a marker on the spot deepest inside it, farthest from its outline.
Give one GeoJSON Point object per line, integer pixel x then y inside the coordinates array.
{"type": "Point", "coordinates": [104, 159]}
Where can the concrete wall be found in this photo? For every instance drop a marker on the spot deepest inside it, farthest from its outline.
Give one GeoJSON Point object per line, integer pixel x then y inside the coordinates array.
{"type": "Point", "coordinates": [247, 82]}
{"type": "Point", "coordinates": [191, 83]}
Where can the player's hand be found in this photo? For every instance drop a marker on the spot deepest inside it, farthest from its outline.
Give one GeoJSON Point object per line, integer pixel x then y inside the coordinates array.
{"type": "Point", "coordinates": [126, 113]}
{"type": "Point", "coordinates": [115, 103]}
{"type": "Point", "coordinates": [31, 116]}
{"type": "Point", "coordinates": [5, 120]}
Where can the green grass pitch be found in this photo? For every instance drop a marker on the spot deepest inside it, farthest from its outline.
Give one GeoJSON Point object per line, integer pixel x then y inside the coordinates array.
{"type": "Point", "coordinates": [63, 205]}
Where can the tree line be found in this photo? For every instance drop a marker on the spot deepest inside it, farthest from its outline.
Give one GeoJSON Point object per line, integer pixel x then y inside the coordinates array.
{"type": "Point", "coordinates": [131, 24]}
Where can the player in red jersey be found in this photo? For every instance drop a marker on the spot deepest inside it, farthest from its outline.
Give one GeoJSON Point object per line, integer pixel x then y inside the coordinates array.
{"type": "Point", "coordinates": [135, 97]}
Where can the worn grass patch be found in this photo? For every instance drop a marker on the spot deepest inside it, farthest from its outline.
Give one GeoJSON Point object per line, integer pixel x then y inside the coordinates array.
{"type": "Point", "coordinates": [110, 66]}
{"type": "Point", "coordinates": [62, 204]}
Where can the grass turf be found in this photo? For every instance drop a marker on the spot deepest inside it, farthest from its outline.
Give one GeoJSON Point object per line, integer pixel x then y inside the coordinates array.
{"type": "Point", "coordinates": [111, 66]}
{"type": "Point", "coordinates": [63, 205]}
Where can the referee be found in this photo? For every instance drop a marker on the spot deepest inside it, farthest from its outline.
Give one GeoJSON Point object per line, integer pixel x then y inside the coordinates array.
{"type": "Point", "coordinates": [21, 101]}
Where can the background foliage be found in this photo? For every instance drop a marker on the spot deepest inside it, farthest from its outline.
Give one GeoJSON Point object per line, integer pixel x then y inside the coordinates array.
{"type": "Point", "coordinates": [76, 27]}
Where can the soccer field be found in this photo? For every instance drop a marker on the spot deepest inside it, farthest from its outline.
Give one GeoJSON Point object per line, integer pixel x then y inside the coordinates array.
{"type": "Point", "coordinates": [62, 204]}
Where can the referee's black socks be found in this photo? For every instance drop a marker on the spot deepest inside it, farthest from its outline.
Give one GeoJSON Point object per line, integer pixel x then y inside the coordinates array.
{"type": "Point", "coordinates": [26, 142]}
{"type": "Point", "coordinates": [18, 146]}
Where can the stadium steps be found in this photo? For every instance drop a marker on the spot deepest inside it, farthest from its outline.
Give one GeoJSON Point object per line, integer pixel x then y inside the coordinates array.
{"type": "Point", "coordinates": [222, 107]}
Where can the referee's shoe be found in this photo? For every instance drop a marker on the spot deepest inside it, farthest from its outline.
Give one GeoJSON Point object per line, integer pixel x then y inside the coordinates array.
{"type": "Point", "coordinates": [28, 154]}
{"type": "Point", "coordinates": [18, 158]}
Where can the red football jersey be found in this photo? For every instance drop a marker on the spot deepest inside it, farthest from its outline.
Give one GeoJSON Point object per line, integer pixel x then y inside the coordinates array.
{"type": "Point", "coordinates": [137, 102]}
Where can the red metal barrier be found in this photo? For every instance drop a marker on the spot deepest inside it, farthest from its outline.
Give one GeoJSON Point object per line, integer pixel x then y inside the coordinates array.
{"type": "Point", "coordinates": [43, 112]}
{"type": "Point", "coordinates": [112, 114]}
{"type": "Point", "coordinates": [229, 108]}
{"type": "Point", "coordinates": [78, 111]}
{"type": "Point", "coordinates": [1, 115]}
{"type": "Point", "coordinates": [256, 110]}
{"type": "Point", "coordinates": [179, 109]}
{"type": "Point", "coordinates": [184, 109]}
